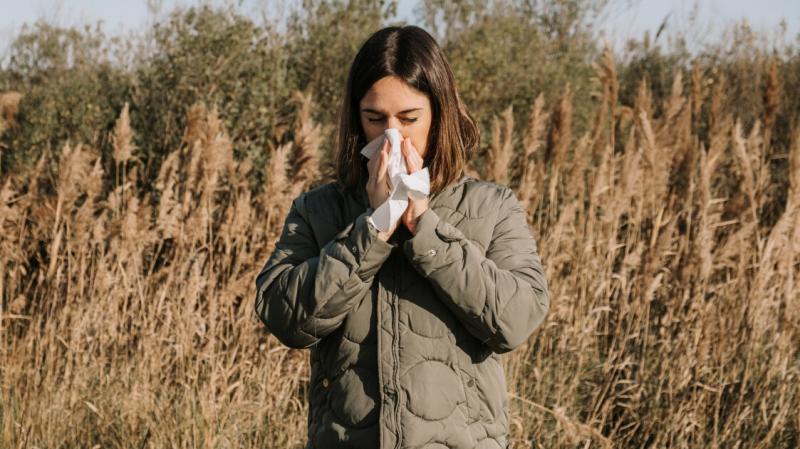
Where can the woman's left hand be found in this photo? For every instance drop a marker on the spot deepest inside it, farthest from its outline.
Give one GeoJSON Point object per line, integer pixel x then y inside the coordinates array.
{"type": "Point", "coordinates": [415, 207]}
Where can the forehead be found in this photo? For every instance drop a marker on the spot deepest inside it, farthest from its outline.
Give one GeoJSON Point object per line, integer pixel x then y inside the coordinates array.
{"type": "Point", "coordinates": [391, 94]}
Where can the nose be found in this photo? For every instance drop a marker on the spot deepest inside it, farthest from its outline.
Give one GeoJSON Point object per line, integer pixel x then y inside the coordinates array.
{"type": "Point", "coordinates": [393, 122]}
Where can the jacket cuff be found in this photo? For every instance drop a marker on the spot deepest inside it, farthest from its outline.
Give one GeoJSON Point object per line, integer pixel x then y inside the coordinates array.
{"type": "Point", "coordinates": [369, 251]}
{"type": "Point", "coordinates": [427, 249]}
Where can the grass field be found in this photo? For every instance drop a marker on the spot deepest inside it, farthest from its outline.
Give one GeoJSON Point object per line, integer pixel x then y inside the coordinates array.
{"type": "Point", "coordinates": [127, 316]}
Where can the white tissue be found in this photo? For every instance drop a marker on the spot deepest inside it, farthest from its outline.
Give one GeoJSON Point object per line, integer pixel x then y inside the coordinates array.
{"type": "Point", "coordinates": [417, 185]}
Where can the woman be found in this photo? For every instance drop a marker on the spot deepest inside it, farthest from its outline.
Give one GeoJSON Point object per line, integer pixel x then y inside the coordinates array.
{"type": "Point", "coordinates": [406, 327]}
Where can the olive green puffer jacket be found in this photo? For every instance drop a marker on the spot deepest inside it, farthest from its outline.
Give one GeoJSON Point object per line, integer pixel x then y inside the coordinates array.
{"type": "Point", "coordinates": [405, 335]}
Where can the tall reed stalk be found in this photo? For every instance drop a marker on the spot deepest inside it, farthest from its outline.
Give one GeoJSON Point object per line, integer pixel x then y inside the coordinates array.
{"type": "Point", "coordinates": [126, 318]}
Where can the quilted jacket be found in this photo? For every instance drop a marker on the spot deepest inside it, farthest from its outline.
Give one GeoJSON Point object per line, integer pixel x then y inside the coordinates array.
{"type": "Point", "coordinates": [405, 335]}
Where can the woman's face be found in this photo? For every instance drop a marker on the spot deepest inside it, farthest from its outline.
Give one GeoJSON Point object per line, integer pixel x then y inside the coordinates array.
{"type": "Point", "coordinates": [392, 103]}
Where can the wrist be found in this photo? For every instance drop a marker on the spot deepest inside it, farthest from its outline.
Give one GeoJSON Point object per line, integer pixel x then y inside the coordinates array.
{"type": "Point", "coordinates": [381, 234]}
{"type": "Point", "coordinates": [414, 223]}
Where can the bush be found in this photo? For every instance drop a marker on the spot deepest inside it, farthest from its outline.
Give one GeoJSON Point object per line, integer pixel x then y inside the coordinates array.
{"type": "Point", "coordinates": [72, 92]}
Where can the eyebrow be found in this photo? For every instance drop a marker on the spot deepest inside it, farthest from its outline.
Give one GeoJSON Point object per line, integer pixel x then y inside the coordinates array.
{"type": "Point", "coordinates": [401, 112]}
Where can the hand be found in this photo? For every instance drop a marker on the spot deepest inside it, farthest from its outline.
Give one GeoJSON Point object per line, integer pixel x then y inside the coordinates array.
{"type": "Point", "coordinates": [379, 186]}
{"type": "Point", "coordinates": [415, 207]}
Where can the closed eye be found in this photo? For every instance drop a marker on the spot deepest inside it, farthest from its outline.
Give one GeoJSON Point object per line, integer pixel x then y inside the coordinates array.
{"type": "Point", "coordinates": [409, 120]}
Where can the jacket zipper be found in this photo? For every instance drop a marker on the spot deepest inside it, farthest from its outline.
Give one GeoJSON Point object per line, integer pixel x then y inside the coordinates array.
{"type": "Point", "coordinates": [396, 352]}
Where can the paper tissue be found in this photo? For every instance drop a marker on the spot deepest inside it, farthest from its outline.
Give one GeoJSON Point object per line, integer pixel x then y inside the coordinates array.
{"type": "Point", "coordinates": [416, 185]}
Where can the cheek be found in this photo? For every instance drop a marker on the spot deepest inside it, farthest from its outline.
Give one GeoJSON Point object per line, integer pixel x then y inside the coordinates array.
{"type": "Point", "coordinates": [420, 139]}
{"type": "Point", "coordinates": [371, 131]}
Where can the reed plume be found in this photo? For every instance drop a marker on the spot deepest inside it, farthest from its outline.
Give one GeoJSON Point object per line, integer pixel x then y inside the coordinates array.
{"type": "Point", "coordinates": [126, 316]}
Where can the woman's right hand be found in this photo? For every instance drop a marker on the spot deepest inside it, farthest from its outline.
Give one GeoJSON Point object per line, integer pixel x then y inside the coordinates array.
{"type": "Point", "coordinates": [379, 185]}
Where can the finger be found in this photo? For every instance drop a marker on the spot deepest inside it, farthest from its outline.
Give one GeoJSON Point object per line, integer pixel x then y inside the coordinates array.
{"type": "Point", "coordinates": [386, 145]}
{"type": "Point", "coordinates": [379, 151]}
{"type": "Point", "coordinates": [383, 166]}
{"type": "Point", "coordinates": [371, 165]}
{"type": "Point", "coordinates": [404, 152]}
{"type": "Point", "coordinates": [411, 163]}
{"type": "Point", "coordinates": [414, 153]}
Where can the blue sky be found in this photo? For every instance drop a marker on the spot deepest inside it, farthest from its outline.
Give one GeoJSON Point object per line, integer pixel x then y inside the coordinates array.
{"type": "Point", "coordinates": [623, 19]}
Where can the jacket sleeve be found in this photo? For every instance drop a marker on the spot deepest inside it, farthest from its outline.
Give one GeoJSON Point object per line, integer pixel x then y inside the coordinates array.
{"type": "Point", "coordinates": [500, 297]}
{"type": "Point", "coordinates": [304, 294]}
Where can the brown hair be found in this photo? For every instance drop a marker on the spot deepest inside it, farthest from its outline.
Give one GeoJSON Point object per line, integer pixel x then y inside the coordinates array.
{"type": "Point", "coordinates": [411, 54]}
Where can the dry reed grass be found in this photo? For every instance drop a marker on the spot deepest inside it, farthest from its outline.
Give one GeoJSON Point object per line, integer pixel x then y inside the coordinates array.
{"type": "Point", "coordinates": [9, 106]}
{"type": "Point", "coordinates": [126, 318]}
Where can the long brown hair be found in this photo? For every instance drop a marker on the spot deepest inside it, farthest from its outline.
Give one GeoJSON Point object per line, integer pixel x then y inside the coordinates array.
{"type": "Point", "coordinates": [413, 55]}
